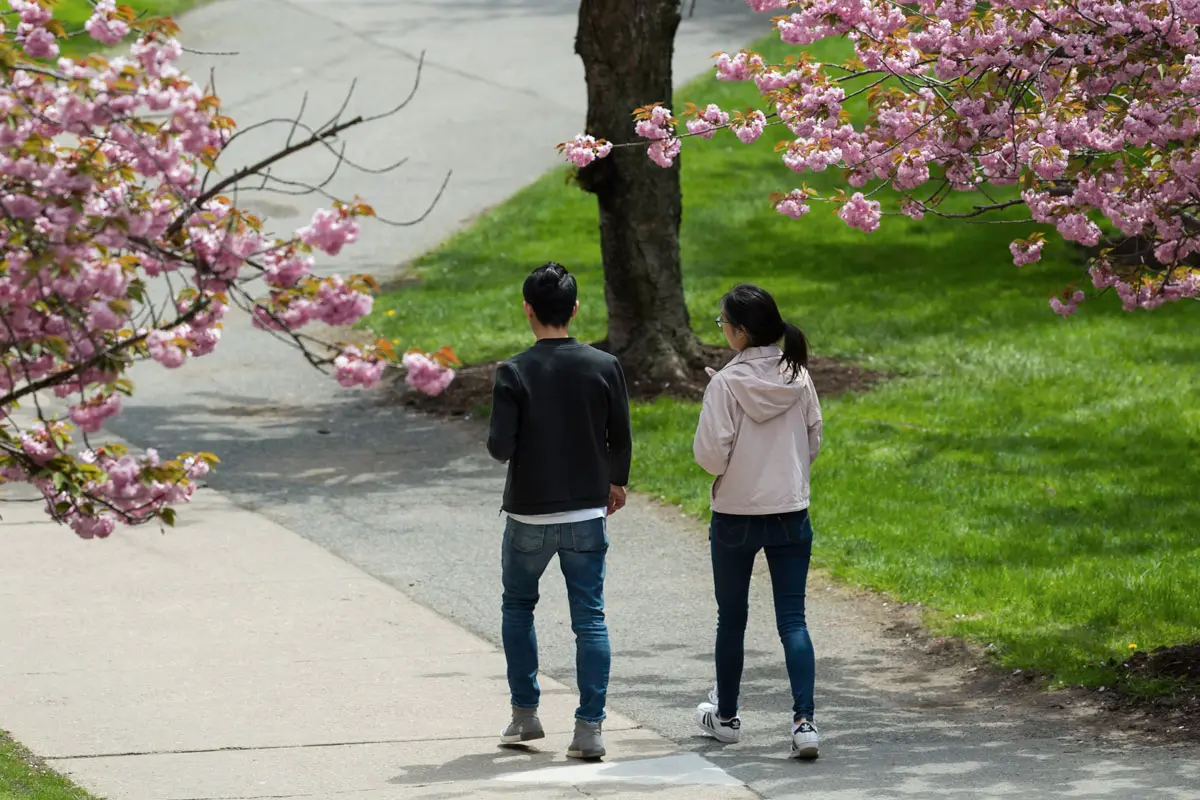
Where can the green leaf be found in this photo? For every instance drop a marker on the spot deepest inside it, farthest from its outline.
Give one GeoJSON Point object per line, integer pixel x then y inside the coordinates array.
{"type": "Point", "coordinates": [168, 516]}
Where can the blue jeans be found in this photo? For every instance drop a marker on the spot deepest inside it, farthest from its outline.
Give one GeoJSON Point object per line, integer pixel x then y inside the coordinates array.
{"type": "Point", "coordinates": [735, 541]}
{"type": "Point", "coordinates": [581, 548]}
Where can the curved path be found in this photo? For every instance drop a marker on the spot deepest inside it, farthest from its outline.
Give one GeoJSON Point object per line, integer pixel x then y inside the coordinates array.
{"type": "Point", "coordinates": [414, 503]}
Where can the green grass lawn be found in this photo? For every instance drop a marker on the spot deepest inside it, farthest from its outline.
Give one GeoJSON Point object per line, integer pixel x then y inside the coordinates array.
{"type": "Point", "coordinates": [1032, 480]}
{"type": "Point", "coordinates": [22, 777]}
{"type": "Point", "coordinates": [74, 13]}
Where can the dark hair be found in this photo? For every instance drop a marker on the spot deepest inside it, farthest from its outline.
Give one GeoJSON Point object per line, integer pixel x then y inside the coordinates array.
{"type": "Point", "coordinates": [752, 309]}
{"type": "Point", "coordinates": [551, 291]}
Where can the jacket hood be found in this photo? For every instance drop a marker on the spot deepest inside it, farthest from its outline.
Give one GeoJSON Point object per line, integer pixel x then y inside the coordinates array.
{"type": "Point", "coordinates": [760, 385]}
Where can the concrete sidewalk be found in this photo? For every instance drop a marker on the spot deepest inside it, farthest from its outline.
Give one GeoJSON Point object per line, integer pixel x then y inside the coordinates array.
{"type": "Point", "coordinates": [231, 658]}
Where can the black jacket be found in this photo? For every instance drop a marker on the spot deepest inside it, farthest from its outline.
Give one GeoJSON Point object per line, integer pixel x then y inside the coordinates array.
{"type": "Point", "coordinates": [560, 418]}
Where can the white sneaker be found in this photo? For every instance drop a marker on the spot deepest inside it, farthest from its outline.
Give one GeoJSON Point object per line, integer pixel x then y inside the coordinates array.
{"type": "Point", "coordinates": [805, 740]}
{"type": "Point", "coordinates": [728, 731]}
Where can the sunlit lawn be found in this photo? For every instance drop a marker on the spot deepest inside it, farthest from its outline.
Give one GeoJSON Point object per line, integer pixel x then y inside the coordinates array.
{"type": "Point", "coordinates": [1031, 479]}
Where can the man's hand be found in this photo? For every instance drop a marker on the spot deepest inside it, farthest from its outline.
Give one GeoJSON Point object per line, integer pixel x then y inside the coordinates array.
{"type": "Point", "coordinates": [616, 499]}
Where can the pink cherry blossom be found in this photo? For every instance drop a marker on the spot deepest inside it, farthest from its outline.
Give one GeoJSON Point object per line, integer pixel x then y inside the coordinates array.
{"type": "Point", "coordinates": [751, 127]}
{"type": "Point", "coordinates": [329, 231]}
{"type": "Point", "coordinates": [664, 151]}
{"type": "Point", "coordinates": [861, 213]}
{"type": "Point", "coordinates": [40, 43]}
{"type": "Point", "coordinates": [426, 375]}
{"type": "Point", "coordinates": [90, 415]}
{"type": "Point", "coordinates": [794, 205]}
{"type": "Point", "coordinates": [352, 368]}
{"type": "Point", "coordinates": [737, 67]}
{"type": "Point", "coordinates": [103, 26]}
{"type": "Point", "coordinates": [766, 5]}
{"type": "Point", "coordinates": [583, 150]}
{"type": "Point", "coordinates": [1067, 305]}
{"type": "Point", "coordinates": [1026, 252]}
{"type": "Point", "coordinates": [104, 186]}
{"type": "Point", "coordinates": [710, 119]}
{"type": "Point", "coordinates": [955, 124]}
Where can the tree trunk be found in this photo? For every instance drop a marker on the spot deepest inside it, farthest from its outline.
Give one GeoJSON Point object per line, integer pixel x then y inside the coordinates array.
{"type": "Point", "coordinates": [626, 47]}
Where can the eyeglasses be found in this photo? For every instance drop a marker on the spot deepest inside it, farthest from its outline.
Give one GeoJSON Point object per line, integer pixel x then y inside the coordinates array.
{"type": "Point", "coordinates": [720, 322]}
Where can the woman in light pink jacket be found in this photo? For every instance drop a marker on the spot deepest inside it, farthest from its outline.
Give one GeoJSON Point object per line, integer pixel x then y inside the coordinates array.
{"type": "Point", "coordinates": [759, 431]}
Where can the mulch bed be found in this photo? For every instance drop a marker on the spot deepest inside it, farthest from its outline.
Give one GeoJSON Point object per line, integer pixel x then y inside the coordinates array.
{"type": "Point", "coordinates": [1175, 715]}
{"type": "Point", "coordinates": [1172, 718]}
{"type": "Point", "coordinates": [1180, 663]}
{"type": "Point", "coordinates": [471, 390]}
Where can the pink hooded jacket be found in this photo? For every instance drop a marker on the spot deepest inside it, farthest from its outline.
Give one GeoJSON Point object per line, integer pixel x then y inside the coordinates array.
{"type": "Point", "coordinates": [758, 434]}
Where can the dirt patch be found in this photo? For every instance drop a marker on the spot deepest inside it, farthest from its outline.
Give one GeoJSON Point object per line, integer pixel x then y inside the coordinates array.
{"type": "Point", "coordinates": [471, 391]}
{"type": "Point", "coordinates": [1180, 663]}
{"type": "Point", "coordinates": [1107, 711]}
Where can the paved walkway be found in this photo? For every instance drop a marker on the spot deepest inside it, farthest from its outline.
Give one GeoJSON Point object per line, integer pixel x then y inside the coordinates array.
{"type": "Point", "coordinates": [233, 658]}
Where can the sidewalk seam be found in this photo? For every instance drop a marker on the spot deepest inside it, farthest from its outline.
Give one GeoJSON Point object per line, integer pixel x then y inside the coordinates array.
{"type": "Point", "coordinates": [249, 749]}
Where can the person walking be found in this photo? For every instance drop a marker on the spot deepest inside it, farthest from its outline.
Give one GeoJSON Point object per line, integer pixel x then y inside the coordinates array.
{"type": "Point", "coordinates": [560, 418]}
{"type": "Point", "coordinates": [758, 434]}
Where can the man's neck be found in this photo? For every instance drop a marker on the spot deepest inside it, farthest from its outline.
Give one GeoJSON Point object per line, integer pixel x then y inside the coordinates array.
{"type": "Point", "coordinates": [544, 334]}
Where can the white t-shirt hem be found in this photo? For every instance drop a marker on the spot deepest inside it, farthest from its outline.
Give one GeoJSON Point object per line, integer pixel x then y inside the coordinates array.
{"type": "Point", "coordinates": [562, 518]}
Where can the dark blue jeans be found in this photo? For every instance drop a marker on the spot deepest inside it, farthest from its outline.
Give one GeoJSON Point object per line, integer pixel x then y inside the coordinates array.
{"type": "Point", "coordinates": [735, 541]}
{"type": "Point", "coordinates": [527, 551]}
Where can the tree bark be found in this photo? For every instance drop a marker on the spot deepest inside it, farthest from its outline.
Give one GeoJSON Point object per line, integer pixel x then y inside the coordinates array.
{"type": "Point", "coordinates": [626, 47]}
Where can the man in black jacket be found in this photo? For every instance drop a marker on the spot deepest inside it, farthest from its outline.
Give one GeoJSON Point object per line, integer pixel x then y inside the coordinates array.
{"type": "Point", "coordinates": [560, 418]}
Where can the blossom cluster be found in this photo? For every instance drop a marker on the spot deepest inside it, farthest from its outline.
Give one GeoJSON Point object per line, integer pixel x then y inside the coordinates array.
{"type": "Point", "coordinates": [427, 374]}
{"type": "Point", "coordinates": [1091, 108]}
{"type": "Point", "coordinates": [107, 200]}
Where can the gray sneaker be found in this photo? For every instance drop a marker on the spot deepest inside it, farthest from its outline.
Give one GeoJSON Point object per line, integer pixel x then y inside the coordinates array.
{"type": "Point", "coordinates": [588, 741]}
{"type": "Point", "coordinates": [525, 727]}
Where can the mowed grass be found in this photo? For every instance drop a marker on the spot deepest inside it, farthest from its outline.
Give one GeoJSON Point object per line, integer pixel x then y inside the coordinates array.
{"type": "Point", "coordinates": [1030, 480]}
{"type": "Point", "coordinates": [22, 777]}
{"type": "Point", "coordinates": [74, 13]}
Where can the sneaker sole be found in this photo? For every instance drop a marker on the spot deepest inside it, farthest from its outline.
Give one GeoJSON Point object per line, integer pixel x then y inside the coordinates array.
{"type": "Point", "coordinates": [806, 753]}
{"type": "Point", "coordinates": [717, 736]}
{"type": "Point", "coordinates": [527, 736]}
{"type": "Point", "coordinates": [586, 753]}
{"type": "Point", "coordinates": [713, 733]}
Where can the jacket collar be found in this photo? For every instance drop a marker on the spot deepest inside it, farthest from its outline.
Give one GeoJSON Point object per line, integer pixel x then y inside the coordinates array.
{"type": "Point", "coordinates": [756, 353]}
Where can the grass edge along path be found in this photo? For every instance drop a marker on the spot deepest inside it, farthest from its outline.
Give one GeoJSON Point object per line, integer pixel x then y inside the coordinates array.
{"type": "Point", "coordinates": [23, 776]}
{"type": "Point", "coordinates": [1029, 480]}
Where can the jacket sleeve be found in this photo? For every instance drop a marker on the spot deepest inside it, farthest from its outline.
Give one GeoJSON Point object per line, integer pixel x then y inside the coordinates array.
{"type": "Point", "coordinates": [506, 413]}
{"type": "Point", "coordinates": [716, 430]}
{"type": "Point", "coordinates": [620, 435]}
{"type": "Point", "coordinates": [813, 421]}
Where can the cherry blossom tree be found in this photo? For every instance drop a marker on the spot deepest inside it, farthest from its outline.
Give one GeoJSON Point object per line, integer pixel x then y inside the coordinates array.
{"type": "Point", "coordinates": [1089, 108]}
{"type": "Point", "coordinates": [121, 243]}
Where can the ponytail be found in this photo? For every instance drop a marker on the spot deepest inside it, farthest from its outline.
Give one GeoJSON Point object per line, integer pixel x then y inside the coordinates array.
{"type": "Point", "coordinates": [752, 309]}
{"type": "Point", "coordinates": [795, 351]}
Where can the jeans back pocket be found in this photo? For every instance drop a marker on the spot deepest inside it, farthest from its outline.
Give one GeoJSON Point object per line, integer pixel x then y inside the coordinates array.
{"type": "Point", "coordinates": [729, 530]}
{"type": "Point", "coordinates": [525, 538]}
{"type": "Point", "coordinates": [589, 536]}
